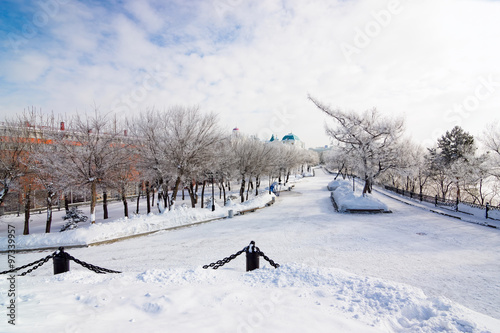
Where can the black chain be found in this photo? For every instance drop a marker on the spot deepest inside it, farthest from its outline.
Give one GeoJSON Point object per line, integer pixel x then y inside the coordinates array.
{"type": "Point", "coordinates": [91, 267]}
{"type": "Point", "coordinates": [252, 247]}
{"type": "Point", "coordinates": [36, 265]}
{"type": "Point", "coordinates": [271, 262]}
{"type": "Point", "coordinates": [40, 262]}
{"type": "Point", "coordinates": [224, 261]}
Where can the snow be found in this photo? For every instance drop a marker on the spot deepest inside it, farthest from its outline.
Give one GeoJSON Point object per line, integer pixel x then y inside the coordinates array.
{"type": "Point", "coordinates": [125, 227]}
{"type": "Point", "coordinates": [347, 200]}
{"type": "Point", "coordinates": [334, 184]}
{"type": "Point", "coordinates": [478, 212]}
{"type": "Point", "coordinates": [410, 271]}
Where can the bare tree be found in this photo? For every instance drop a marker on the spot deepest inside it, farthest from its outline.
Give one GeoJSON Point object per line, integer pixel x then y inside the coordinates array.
{"type": "Point", "coordinates": [491, 139]}
{"type": "Point", "coordinates": [369, 137]}
{"type": "Point", "coordinates": [152, 150]}
{"type": "Point", "coordinates": [88, 154]}
{"type": "Point", "coordinates": [191, 139]}
{"type": "Point", "coordinates": [15, 147]}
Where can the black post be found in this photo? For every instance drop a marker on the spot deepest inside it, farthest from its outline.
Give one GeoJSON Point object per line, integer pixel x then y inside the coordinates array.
{"type": "Point", "coordinates": [61, 262]}
{"type": "Point", "coordinates": [213, 195]}
{"type": "Point", "coordinates": [487, 209]}
{"type": "Point", "coordinates": [252, 257]}
{"type": "Point", "coordinates": [436, 200]}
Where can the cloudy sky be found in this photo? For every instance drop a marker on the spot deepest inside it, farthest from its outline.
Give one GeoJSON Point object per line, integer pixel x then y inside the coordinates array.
{"type": "Point", "coordinates": [254, 62]}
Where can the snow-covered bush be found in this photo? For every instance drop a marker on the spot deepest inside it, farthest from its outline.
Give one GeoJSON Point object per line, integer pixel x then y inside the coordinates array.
{"type": "Point", "coordinates": [74, 216]}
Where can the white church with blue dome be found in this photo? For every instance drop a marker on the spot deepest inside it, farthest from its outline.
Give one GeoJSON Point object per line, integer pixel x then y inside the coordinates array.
{"type": "Point", "coordinates": [289, 139]}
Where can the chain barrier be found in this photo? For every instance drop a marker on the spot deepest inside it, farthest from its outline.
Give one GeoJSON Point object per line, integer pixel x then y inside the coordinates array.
{"type": "Point", "coordinates": [224, 261]}
{"type": "Point", "coordinates": [96, 269]}
{"type": "Point", "coordinates": [37, 264]}
{"type": "Point", "coordinates": [248, 249]}
{"type": "Point", "coordinates": [271, 262]}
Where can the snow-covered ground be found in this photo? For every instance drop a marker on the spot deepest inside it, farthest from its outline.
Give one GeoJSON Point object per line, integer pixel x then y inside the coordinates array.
{"type": "Point", "coordinates": [112, 229]}
{"type": "Point", "coordinates": [410, 271]}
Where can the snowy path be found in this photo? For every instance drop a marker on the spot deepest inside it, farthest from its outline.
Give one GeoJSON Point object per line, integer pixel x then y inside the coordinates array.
{"type": "Point", "coordinates": [339, 273]}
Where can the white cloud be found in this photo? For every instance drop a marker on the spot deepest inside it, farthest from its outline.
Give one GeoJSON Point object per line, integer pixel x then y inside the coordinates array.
{"type": "Point", "coordinates": [250, 60]}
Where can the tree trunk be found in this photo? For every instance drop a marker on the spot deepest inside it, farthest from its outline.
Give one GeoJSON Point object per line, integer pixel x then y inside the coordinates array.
{"type": "Point", "coordinates": [176, 188]}
{"type": "Point", "coordinates": [242, 189]}
{"type": "Point", "coordinates": [93, 200]}
{"type": "Point", "coordinates": [224, 190]}
{"type": "Point", "coordinates": [124, 200]}
{"type": "Point", "coordinates": [166, 199]}
{"type": "Point", "coordinates": [27, 205]}
{"type": "Point", "coordinates": [50, 196]}
{"type": "Point", "coordinates": [249, 183]}
{"type": "Point", "coordinates": [203, 193]}
{"type": "Point", "coordinates": [66, 202]}
{"type": "Point", "coordinates": [368, 186]}
{"type": "Point", "coordinates": [192, 195]}
{"type": "Point", "coordinates": [287, 176]}
{"type": "Point", "coordinates": [105, 203]}
{"type": "Point", "coordinates": [138, 198]}
{"type": "Point", "coordinates": [152, 197]}
{"type": "Point", "coordinates": [3, 193]}
{"type": "Point", "coordinates": [148, 204]}
{"type": "Point", "coordinates": [257, 185]}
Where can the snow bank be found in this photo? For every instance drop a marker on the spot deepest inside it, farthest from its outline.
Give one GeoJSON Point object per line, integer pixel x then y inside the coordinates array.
{"type": "Point", "coordinates": [334, 184]}
{"type": "Point", "coordinates": [135, 225]}
{"type": "Point", "coordinates": [346, 199]}
{"type": "Point", "coordinates": [382, 304]}
{"type": "Point", "coordinates": [293, 298]}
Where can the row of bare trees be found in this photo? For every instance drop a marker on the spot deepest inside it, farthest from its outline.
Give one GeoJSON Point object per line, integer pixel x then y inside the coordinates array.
{"type": "Point", "coordinates": [373, 147]}
{"type": "Point", "coordinates": [163, 151]}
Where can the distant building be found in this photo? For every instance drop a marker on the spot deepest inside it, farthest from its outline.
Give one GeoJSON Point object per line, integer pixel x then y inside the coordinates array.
{"type": "Point", "coordinates": [292, 139]}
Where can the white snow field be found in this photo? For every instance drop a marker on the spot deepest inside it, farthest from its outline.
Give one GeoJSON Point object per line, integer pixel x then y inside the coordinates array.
{"type": "Point", "coordinates": [409, 271]}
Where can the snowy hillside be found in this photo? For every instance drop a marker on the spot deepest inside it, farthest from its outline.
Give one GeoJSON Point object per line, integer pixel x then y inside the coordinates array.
{"type": "Point", "coordinates": [410, 271]}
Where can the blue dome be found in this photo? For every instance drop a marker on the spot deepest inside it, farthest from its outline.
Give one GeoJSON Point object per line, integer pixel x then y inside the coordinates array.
{"type": "Point", "coordinates": [290, 136]}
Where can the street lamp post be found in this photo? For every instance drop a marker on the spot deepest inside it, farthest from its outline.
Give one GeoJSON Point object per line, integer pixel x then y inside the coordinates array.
{"type": "Point", "coordinates": [213, 194]}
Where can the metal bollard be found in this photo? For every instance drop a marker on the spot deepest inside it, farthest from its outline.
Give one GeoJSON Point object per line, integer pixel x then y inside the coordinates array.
{"type": "Point", "coordinates": [252, 257]}
{"type": "Point", "coordinates": [61, 262]}
{"type": "Point", "coordinates": [230, 214]}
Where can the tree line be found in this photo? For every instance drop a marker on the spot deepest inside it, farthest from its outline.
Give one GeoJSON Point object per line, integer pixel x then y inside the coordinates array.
{"type": "Point", "coordinates": [373, 147]}
{"type": "Point", "coordinates": [162, 152]}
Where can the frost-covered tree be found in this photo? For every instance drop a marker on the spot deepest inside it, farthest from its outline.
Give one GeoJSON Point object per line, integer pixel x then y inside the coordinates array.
{"type": "Point", "coordinates": [450, 160]}
{"type": "Point", "coordinates": [152, 148]}
{"type": "Point", "coordinates": [87, 151]}
{"type": "Point", "coordinates": [491, 140]}
{"type": "Point", "coordinates": [191, 139]}
{"type": "Point", "coordinates": [45, 157]}
{"type": "Point", "coordinates": [370, 138]}
{"type": "Point", "coordinates": [478, 183]}
{"type": "Point", "coordinates": [15, 147]}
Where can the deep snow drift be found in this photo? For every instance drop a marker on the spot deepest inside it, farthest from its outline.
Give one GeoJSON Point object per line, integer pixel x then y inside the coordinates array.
{"type": "Point", "coordinates": [410, 271]}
